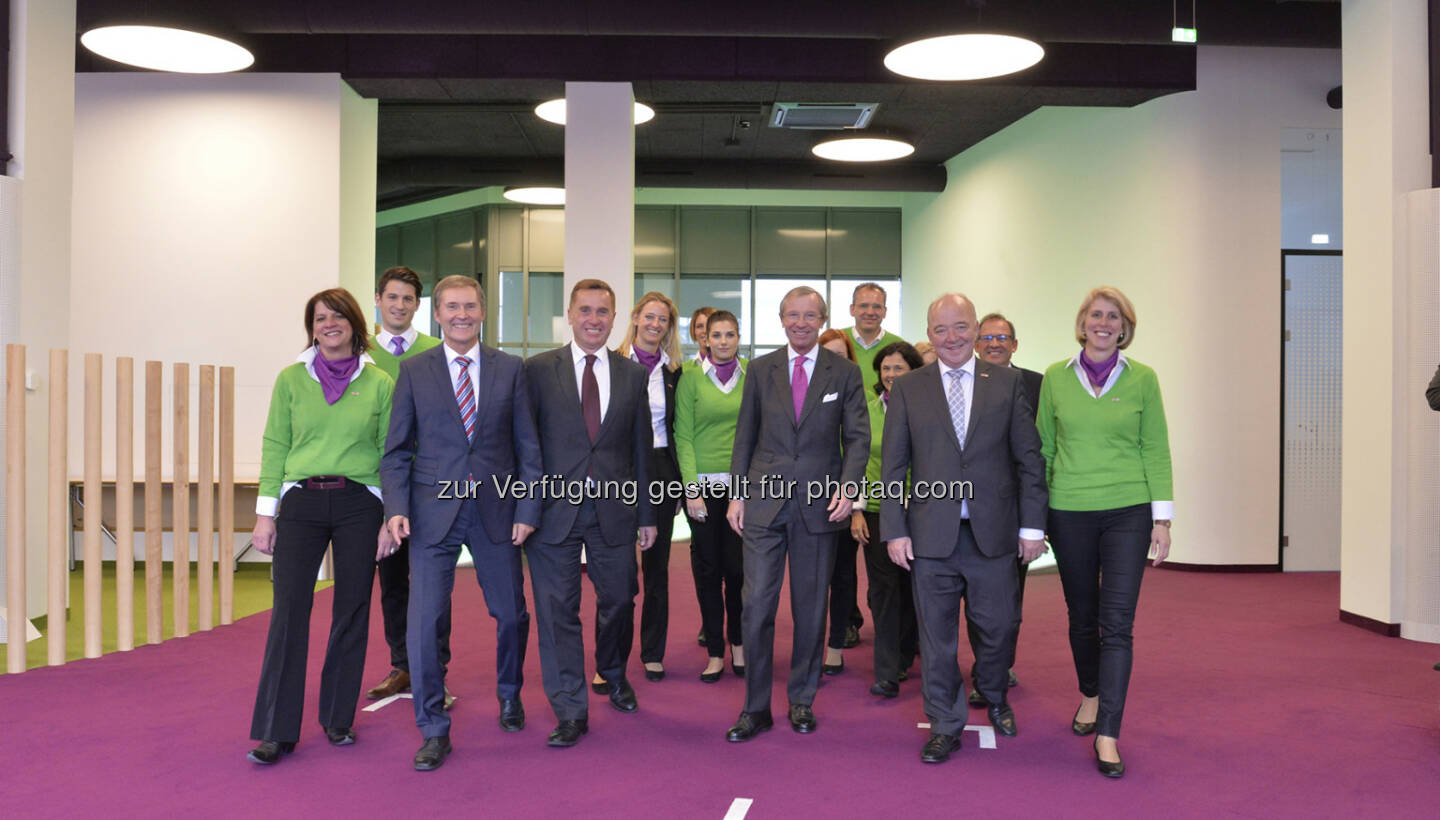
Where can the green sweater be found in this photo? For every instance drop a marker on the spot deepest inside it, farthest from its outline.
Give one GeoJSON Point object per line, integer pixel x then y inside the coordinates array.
{"type": "Point", "coordinates": [705, 419]}
{"type": "Point", "coordinates": [1108, 452]}
{"type": "Point", "coordinates": [306, 437]}
{"type": "Point", "coordinates": [866, 357]}
{"type": "Point", "coordinates": [390, 363]}
{"type": "Point", "coordinates": [877, 430]}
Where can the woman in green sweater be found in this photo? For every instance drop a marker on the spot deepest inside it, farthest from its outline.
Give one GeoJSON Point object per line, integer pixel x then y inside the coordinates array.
{"type": "Point", "coordinates": [1107, 456]}
{"type": "Point", "coordinates": [320, 486]}
{"type": "Point", "coordinates": [707, 405]}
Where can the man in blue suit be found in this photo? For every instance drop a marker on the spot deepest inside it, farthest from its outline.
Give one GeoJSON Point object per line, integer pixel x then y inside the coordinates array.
{"type": "Point", "coordinates": [461, 435]}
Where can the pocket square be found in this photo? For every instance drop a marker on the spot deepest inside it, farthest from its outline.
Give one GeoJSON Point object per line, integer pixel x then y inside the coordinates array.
{"type": "Point", "coordinates": [830, 397]}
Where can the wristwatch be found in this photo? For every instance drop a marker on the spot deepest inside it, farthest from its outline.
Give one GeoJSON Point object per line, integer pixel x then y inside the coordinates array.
{"type": "Point", "coordinates": [1162, 522]}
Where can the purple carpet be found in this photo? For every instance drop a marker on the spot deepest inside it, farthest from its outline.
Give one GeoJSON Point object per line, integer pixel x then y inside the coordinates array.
{"type": "Point", "coordinates": [1249, 698]}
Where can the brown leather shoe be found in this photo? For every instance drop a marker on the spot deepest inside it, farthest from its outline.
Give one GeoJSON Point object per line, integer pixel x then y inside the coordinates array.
{"type": "Point", "coordinates": [396, 682]}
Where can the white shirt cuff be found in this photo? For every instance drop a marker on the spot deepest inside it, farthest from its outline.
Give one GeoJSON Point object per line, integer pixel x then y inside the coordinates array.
{"type": "Point", "coordinates": [1032, 535]}
{"type": "Point", "coordinates": [265, 505]}
{"type": "Point", "coordinates": [1162, 510]}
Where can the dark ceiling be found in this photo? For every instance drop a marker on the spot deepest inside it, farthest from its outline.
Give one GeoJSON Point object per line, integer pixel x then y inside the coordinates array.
{"type": "Point", "coordinates": [457, 81]}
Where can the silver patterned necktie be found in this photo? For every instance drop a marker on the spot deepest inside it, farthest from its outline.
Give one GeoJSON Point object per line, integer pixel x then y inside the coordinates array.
{"type": "Point", "coordinates": [956, 397]}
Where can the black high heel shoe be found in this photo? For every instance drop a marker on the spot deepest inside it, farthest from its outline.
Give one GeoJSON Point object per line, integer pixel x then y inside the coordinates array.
{"type": "Point", "coordinates": [1111, 770]}
{"type": "Point", "coordinates": [1081, 729]}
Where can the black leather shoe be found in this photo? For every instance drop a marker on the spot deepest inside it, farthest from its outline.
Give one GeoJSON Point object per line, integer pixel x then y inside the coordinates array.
{"type": "Point", "coordinates": [712, 677]}
{"type": "Point", "coordinates": [833, 669]}
{"type": "Point", "coordinates": [976, 699]}
{"type": "Point", "coordinates": [601, 688]}
{"type": "Point", "coordinates": [1111, 770]}
{"type": "Point", "coordinates": [904, 675]}
{"type": "Point", "coordinates": [622, 696]}
{"type": "Point", "coordinates": [268, 752]}
{"type": "Point", "coordinates": [1081, 729]}
{"type": "Point", "coordinates": [340, 737]}
{"type": "Point", "coordinates": [568, 733]}
{"type": "Point", "coordinates": [655, 674]}
{"type": "Point", "coordinates": [1013, 680]}
{"type": "Point", "coordinates": [749, 725]}
{"type": "Point", "coordinates": [1002, 717]}
{"type": "Point", "coordinates": [938, 748]}
{"type": "Point", "coordinates": [885, 689]}
{"type": "Point", "coordinates": [512, 715]}
{"type": "Point", "coordinates": [802, 718]}
{"type": "Point", "coordinates": [738, 669]}
{"type": "Point", "coordinates": [852, 637]}
{"type": "Point", "coordinates": [432, 753]}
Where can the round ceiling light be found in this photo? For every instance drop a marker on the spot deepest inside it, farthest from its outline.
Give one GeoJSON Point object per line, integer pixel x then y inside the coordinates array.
{"type": "Point", "coordinates": [167, 49]}
{"type": "Point", "coordinates": [964, 57]}
{"type": "Point", "coordinates": [536, 195]}
{"type": "Point", "coordinates": [554, 111]}
{"type": "Point", "coordinates": [863, 149]}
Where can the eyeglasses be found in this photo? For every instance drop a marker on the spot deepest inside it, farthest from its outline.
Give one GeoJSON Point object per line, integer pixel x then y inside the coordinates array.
{"type": "Point", "coordinates": [1002, 338]}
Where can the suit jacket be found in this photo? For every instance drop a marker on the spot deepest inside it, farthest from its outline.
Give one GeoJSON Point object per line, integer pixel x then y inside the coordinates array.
{"type": "Point", "coordinates": [1001, 458]}
{"type": "Point", "coordinates": [427, 460]}
{"type": "Point", "coordinates": [618, 454]}
{"type": "Point", "coordinates": [1432, 392]}
{"type": "Point", "coordinates": [830, 442]}
{"type": "Point", "coordinates": [1032, 382]}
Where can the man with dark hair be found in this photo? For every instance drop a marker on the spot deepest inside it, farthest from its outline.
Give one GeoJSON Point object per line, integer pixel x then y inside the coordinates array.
{"type": "Point", "coordinates": [397, 297]}
{"type": "Point", "coordinates": [592, 411]}
{"type": "Point", "coordinates": [867, 308]}
{"type": "Point", "coordinates": [996, 343]}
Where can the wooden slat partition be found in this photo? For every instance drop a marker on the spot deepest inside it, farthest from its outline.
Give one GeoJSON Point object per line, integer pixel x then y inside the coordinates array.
{"type": "Point", "coordinates": [154, 544]}
{"type": "Point", "coordinates": [57, 509]}
{"type": "Point", "coordinates": [15, 535]}
{"type": "Point", "coordinates": [205, 506]}
{"type": "Point", "coordinates": [180, 502]}
{"type": "Point", "coordinates": [125, 503]}
{"type": "Point", "coordinates": [94, 575]}
{"type": "Point", "coordinates": [227, 495]}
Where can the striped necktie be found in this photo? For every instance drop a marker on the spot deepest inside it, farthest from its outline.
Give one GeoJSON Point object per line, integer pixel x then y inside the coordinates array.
{"type": "Point", "coordinates": [465, 397]}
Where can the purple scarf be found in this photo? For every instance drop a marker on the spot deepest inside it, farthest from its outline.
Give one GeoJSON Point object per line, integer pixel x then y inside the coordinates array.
{"type": "Point", "coordinates": [334, 375]}
{"type": "Point", "coordinates": [726, 370]}
{"type": "Point", "coordinates": [647, 359]}
{"type": "Point", "coordinates": [1099, 373]}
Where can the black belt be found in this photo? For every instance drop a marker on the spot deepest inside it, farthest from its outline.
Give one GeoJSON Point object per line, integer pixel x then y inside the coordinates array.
{"type": "Point", "coordinates": [325, 482]}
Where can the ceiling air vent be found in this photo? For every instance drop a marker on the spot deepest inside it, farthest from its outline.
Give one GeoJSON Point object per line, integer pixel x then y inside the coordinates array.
{"type": "Point", "coordinates": [822, 116]}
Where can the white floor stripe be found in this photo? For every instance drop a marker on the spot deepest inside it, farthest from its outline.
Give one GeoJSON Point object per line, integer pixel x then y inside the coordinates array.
{"type": "Point", "coordinates": [383, 702]}
{"type": "Point", "coordinates": [985, 733]}
{"type": "Point", "coordinates": [739, 808]}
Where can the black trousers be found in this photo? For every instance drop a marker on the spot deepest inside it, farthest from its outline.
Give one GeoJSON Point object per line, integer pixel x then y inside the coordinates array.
{"type": "Point", "coordinates": [987, 586]}
{"type": "Point", "coordinates": [393, 572]}
{"type": "Point", "coordinates": [555, 576]}
{"type": "Point", "coordinates": [892, 607]}
{"type": "Point", "coordinates": [844, 588]}
{"type": "Point", "coordinates": [655, 564]}
{"type": "Point", "coordinates": [1101, 557]}
{"type": "Point", "coordinates": [718, 564]}
{"type": "Point", "coordinates": [1022, 571]}
{"type": "Point", "coordinates": [811, 557]}
{"type": "Point", "coordinates": [309, 521]}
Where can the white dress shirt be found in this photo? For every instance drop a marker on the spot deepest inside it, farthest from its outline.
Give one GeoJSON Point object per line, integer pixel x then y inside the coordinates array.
{"type": "Point", "coordinates": [656, 387]}
{"type": "Point", "coordinates": [384, 337]}
{"type": "Point", "coordinates": [708, 368]}
{"type": "Point", "coordinates": [602, 374]}
{"type": "Point", "coordinates": [967, 389]}
{"type": "Point", "coordinates": [473, 354]}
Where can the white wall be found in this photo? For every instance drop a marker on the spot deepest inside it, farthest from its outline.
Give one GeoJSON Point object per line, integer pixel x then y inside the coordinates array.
{"type": "Point", "coordinates": [42, 88]}
{"type": "Point", "coordinates": [207, 209]}
{"type": "Point", "coordinates": [1177, 202]}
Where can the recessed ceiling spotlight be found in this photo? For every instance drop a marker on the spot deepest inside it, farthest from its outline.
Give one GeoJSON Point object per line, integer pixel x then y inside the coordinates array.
{"type": "Point", "coordinates": [167, 49]}
{"type": "Point", "coordinates": [554, 111]}
{"type": "Point", "coordinates": [964, 57]}
{"type": "Point", "coordinates": [863, 149]}
{"type": "Point", "coordinates": [536, 195]}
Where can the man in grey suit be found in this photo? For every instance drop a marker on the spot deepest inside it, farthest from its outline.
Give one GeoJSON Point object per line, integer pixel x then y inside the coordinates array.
{"type": "Point", "coordinates": [592, 409]}
{"type": "Point", "coordinates": [803, 434]}
{"type": "Point", "coordinates": [460, 429]}
{"type": "Point", "coordinates": [963, 432]}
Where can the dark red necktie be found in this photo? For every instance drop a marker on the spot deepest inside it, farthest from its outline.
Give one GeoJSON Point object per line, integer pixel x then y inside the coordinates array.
{"type": "Point", "coordinates": [590, 398]}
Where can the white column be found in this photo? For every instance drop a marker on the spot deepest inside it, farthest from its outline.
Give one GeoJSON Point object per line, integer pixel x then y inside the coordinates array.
{"type": "Point", "coordinates": [1386, 156]}
{"type": "Point", "coordinates": [600, 191]}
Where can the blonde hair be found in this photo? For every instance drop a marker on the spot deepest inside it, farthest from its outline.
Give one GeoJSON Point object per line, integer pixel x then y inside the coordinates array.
{"type": "Point", "coordinates": [1127, 314]}
{"type": "Point", "coordinates": [669, 343]}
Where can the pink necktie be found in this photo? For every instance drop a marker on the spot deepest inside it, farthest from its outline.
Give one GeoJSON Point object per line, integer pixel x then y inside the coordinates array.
{"type": "Point", "coordinates": [798, 384]}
